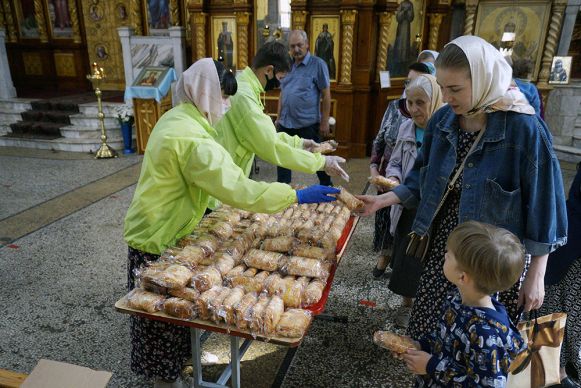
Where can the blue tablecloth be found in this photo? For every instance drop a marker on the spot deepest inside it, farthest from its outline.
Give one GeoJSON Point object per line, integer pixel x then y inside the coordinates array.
{"type": "Point", "coordinates": [149, 92]}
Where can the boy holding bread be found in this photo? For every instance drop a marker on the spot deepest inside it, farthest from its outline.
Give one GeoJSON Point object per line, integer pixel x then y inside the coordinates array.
{"type": "Point", "coordinates": [475, 341]}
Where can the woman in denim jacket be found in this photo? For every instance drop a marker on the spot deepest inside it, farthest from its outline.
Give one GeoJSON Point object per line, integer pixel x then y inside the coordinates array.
{"type": "Point", "coordinates": [510, 179]}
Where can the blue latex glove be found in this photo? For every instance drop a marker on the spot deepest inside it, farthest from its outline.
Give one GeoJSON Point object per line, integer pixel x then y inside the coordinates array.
{"type": "Point", "coordinates": [316, 194]}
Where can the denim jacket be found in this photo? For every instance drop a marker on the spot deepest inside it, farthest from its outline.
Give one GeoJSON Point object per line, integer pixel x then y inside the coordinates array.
{"type": "Point", "coordinates": [511, 179]}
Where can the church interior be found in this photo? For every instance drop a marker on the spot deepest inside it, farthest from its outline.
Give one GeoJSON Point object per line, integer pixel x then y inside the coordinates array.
{"type": "Point", "coordinates": [72, 72]}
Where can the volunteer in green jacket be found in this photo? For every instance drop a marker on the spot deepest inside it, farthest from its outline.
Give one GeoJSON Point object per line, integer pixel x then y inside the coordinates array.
{"type": "Point", "coordinates": [245, 130]}
{"type": "Point", "coordinates": [183, 165]}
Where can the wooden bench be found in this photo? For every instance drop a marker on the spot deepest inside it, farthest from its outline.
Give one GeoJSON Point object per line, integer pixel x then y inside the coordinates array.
{"type": "Point", "coordinates": [9, 379]}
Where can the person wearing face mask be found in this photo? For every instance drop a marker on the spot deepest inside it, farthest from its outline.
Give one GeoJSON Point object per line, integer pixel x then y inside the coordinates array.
{"type": "Point", "coordinates": [300, 96]}
{"type": "Point", "coordinates": [246, 131]}
{"type": "Point", "coordinates": [423, 99]}
{"type": "Point", "coordinates": [182, 167]}
{"type": "Point", "coordinates": [507, 174]}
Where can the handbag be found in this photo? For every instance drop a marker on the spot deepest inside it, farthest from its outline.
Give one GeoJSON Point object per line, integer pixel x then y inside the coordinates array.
{"type": "Point", "coordinates": [418, 244]}
{"type": "Point", "coordinates": [538, 365]}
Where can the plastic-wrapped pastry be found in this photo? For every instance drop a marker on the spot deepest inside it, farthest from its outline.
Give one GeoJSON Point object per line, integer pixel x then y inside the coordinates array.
{"type": "Point", "coordinates": [313, 292]}
{"type": "Point", "coordinates": [216, 304]}
{"type": "Point", "coordinates": [267, 261]}
{"type": "Point", "coordinates": [174, 276]}
{"type": "Point", "coordinates": [186, 293]}
{"type": "Point", "coordinates": [243, 310]}
{"type": "Point", "coordinates": [140, 299]}
{"type": "Point", "coordinates": [206, 279]}
{"type": "Point", "coordinates": [257, 318]}
{"type": "Point", "coordinates": [208, 243]}
{"type": "Point", "coordinates": [246, 282]}
{"type": "Point", "coordinates": [349, 200]}
{"type": "Point", "coordinates": [203, 302]}
{"type": "Point", "coordinates": [180, 308]}
{"type": "Point", "coordinates": [223, 230]}
{"type": "Point", "coordinates": [382, 181]}
{"type": "Point", "coordinates": [272, 314]}
{"type": "Point", "coordinates": [271, 283]}
{"type": "Point", "coordinates": [236, 271]}
{"type": "Point", "coordinates": [394, 342]}
{"type": "Point", "coordinates": [250, 272]}
{"type": "Point", "coordinates": [326, 147]}
{"type": "Point", "coordinates": [288, 213]}
{"type": "Point", "coordinates": [224, 264]}
{"type": "Point", "coordinates": [293, 323]}
{"type": "Point", "coordinates": [279, 244]}
{"type": "Point", "coordinates": [336, 210]}
{"type": "Point", "coordinates": [293, 294]}
{"type": "Point", "coordinates": [233, 298]}
{"type": "Point", "coordinates": [190, 256]}
{"type": "Point", "coordinates": [256, 283]}
{"type": "Point", "coordinates": [319, 218]}
{"type": "Point", "coordinates": [301, 266]}
{"type": "Point", "coordinates": [259, 217]}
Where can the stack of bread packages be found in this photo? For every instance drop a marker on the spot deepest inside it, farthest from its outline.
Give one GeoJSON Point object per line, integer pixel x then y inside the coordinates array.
{"type": "Point", "coordinates": [254, 272]}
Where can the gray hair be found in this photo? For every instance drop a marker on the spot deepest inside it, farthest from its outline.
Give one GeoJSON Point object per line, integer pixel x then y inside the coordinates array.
{"type": "Point", "coordinates": [420, 83]}
{"type": "Point", "coordinates": [301, 33]}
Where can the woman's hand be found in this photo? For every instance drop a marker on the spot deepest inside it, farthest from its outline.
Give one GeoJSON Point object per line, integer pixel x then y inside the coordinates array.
{"type": "Point", "coordinates": [532, 291]}
{"type": "Point", "coordinates": [374, 172]}
{"type": "Point", "coordinates": [416, 361]}
{"type": "Point", "coordinates": [375, 202]}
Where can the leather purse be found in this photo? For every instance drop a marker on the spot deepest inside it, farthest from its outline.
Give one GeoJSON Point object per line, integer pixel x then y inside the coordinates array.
{"type": "Point", "coordinates": [418, 245]}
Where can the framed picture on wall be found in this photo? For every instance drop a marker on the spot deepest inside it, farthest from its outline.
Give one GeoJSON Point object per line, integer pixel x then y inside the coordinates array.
{"type": "Point", "coordinates": [158, 17]}
{"type": "Point", "coordinates": [151, 76]}
{"type": "Point", "coordinates": [272, 22]}
{"type": "Point", "coordinates": [405, 37]}
{"type": "Point", "coordinates": [27, 25]}
{"type": "Point", "coordinates": [528, 22]}
{"type": "Point", "coordinates": [60, 19]}
{"type": "Point", "coordinates": [224, 40]}
{"type": "Point", "coordinates": [560, 70]}
{"type": "Point", "coordinates": [325, 41]}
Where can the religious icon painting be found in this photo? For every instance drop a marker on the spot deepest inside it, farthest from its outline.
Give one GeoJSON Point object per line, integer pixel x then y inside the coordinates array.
{"type": "Point", "coordinates": [28, 27]}
{"type": "Point", "coordinates": [151, 76]}
{"type": "Point", "coordinates": [158, 17]}
{"type": "Point", "coordinates": [95, 12]}
{"type": "Point", "coordinates": [121, 11]}
{"type": "Point", "coordinates": [560, 70]}
{"type": "Point", "coordinates": [325, 41]}
{"type": "Point", "coordinates": [101, 52]}
{"type": "Point", "coordinates": [272, 22]}
{"type": "Point", "coordinates": [60, 19]}
{"type": "Point", "coordinates": [224, 40]}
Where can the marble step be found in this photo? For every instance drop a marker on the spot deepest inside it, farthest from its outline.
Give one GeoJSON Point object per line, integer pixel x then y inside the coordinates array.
{"type": "Point", "coordinates": [92, 132]}
{"type": "Point", "coordinates": [9, 117]}
{"type": "Point", "coordinates": [16, 104]}
{"type": "Point", "coordinates": [82, 120]}
{"type": "Point", "coordinates": [62, 144]}
{"type": "Point", "coordinates": [91, 109]}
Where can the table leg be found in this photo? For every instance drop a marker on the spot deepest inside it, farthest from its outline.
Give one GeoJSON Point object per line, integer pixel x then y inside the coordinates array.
{"type": "Point", "coordinates": [196, 357]}
{"type": "Point", "coordinates": [235, 361]}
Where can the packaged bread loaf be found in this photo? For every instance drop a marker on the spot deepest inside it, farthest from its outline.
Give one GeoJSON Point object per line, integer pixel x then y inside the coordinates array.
{"type": "Point", "coordinates": [270, 284]}
{"type": "Point", "coordinates": [326, 147]}
{"type": "Point", "coordinates": [190, 256]}
{"type": "Point", "coordinates": [203, 302]}
{"type": "Point", "coordinates": [236, 271]}
{"type": "Point", "coordinates": [224, 264]}
{"type": "Point", "coordinates": [223, 230]}
{"type": "Point", "coordinates": [174, 276]}
{"type": "Point", "coordinates": [272, 314]}
{"type": "Point", "coordinates": [180, 308]}
{"type": "Point", "coordinates": [380, 180]}
{"type": "Point", "coordinates": [140, 299]}
{"type": "Point", "coordinates": [243, 310]}
{"type": "Point", "coordinates": [293, 323]}
{"type": "Point", "coordinates": [256, 325]}
{"type": "Point", "coordinates": [208, 243]}
{"type": "Point", "coordinates": [281, 244]}
{"type": "Point", "coordinates": [394, 342]}
{"type": "Point", "coordinates": [292, 295]}
{"type": "Point", "coordinates": [313, 292]}
{"type": "Point", "coordinates": [206, 278]}
{"type": "Point", "coordinates": [186, 293]}
{"type": "Point", "coordinates": [231, 301]}
{"type": "Point", "coordinates": [267, 261]}
{"type": "Point", "coordinates": [311, 252]}
{"type": "Point", "coordinates": [216, 304]}
{"type": "Point", "coordinates": [349, 200]}
{"type": "Point", "coordinates": [302, 266]}
{"type": "Point", "coordinates": [257, 282]}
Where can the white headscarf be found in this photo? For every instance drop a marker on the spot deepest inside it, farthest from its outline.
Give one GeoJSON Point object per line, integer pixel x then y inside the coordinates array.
{"type": "Point", "coordinates": [428, 84]}
{"type": "Point", "coordinates": [434, 53]}
{"type": "Point", "coordinates": [491, 78]}
{"type": "Point", "coordinates": [200, 85]}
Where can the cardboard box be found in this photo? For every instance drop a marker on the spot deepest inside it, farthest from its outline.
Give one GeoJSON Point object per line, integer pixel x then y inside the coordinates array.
{"type": "Point", "coordinates": [54, 374]}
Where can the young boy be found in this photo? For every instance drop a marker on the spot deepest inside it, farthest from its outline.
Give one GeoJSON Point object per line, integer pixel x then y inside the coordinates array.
{"type": "Point", "coordinates": [475, 341]}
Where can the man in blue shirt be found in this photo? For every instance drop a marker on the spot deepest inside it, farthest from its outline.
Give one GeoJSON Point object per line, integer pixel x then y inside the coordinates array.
{"type": "Point", "coordinates": [298, 105]}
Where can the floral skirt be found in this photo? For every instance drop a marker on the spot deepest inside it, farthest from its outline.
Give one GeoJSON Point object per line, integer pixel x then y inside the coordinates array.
{"type": "Point", "coordinates": [158, 349]}
{"type": "Point", "coordinates": [382, 239]}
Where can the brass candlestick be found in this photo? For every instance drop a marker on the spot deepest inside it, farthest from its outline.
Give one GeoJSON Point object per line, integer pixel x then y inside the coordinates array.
{"type": "Point", "coordinates": [98, 75]}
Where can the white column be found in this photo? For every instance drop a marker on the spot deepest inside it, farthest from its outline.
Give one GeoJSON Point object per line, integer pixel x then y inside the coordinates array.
{"type": "Point", "coordinates": [573, 8]}
{"type": "Point", "coordinates": [177, 36]}
{"type": "Point", "coordinates": [125, 33]}
{"type": "Point", "coordinates": [7, 89]}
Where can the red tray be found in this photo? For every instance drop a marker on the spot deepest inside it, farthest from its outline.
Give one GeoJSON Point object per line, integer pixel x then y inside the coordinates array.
{"type": "Point", "coordinates": [319, 307]}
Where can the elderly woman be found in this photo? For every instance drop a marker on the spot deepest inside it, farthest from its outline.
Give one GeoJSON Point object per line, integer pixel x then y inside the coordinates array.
{"type": "Point", "coordinates": [423, 99]}
{"type": "Point", "coordinates": [183, 165]}
{"type": "Point", "coordinates": [488, 138]}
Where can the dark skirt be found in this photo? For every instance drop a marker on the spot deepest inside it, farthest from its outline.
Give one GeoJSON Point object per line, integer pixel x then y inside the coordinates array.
{"type": "Point", "coordinates": [382, 239]}
{"type": "Point", "coordinates": [158, 350]}
{"type": "Point", "coordinates": [406, 270]}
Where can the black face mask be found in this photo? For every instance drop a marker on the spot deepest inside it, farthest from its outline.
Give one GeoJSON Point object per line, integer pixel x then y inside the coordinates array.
{"type": "Point", "coordinates": [271, 83]}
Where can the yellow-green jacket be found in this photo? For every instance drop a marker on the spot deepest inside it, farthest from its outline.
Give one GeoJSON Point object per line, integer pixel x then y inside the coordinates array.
{"type": "Point", "coordinates": [245, 130]}
{"type": "Point", "coordinates": [182, 167]}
